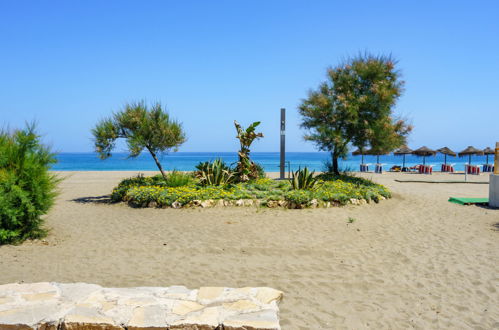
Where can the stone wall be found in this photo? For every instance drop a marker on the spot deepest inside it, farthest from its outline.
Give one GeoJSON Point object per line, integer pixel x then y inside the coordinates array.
{"type": "Point", "coordinates": [51, 306]}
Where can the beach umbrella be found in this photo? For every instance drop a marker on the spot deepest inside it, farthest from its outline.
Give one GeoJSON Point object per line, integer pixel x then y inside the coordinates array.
{"type": "Point", "coordinates": [424, 152]}
{"type": "Point", "coordinates": [488, 151]}
{"type": "Point", "coordinates": [446, 151]}
{"type": "Point", "coordinates": [469, 152]}
{"type": "Point", "coordinates": [402, 151]}
{"type": "Point", "coordinates": [360, 152]}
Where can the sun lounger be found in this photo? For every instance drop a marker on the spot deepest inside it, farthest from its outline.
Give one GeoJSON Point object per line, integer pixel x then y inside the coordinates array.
{"type": "Point", "coordinates": [425, 169]}
{"type": "Point", "coordinates": [472, 169]}
{"type": "Point", "coordinates": [364, 167]}
{"type": "Point", "coordinates": [488, 168]}
{"type": "Point", "coordinates": [447, 168]}
{"type": "Point", "coordinates": [379, 168]}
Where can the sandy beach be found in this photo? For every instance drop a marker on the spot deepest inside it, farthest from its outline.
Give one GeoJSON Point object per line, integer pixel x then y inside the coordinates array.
{"type": "Point", "coordinates": [414, 261]}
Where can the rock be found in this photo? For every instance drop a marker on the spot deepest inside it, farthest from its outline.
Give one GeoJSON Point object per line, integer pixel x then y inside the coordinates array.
{"type": "Point", "coordinates": [314, 203]}
{"type": "Point", "coordinates": [272, 204]}
{"type": "Point", "coordinates": [207, 203]}
{"type": "Point", "coordinates": [220, 203]}
{"type": "Point", "coordinates": [248, 202]}
{"type": "Point", "coordinates": [186, 307]}
{"type": "Point", "coordinates": [147, 317]}
{"type": "Point", "coordinates": [381, 198]}
{"type": "Point", "coordinates": [208, 295]}
{"type": "Point", "coordinates": [206, 319]}
{"type": "Point", "coordinates": [196, 202]}
{"type": "Point", "coordinates": [354, 201]}
{"type": "Point", "coordinates": [362, 202]}
{"type": "Point", "coordinates": [283, 203]}
{"type": "Point", "coordinates": [268, 295]}
{"type": "Point", "coordinates": [257, 202]}
{"type": "Point", "coordinates": [176, 205]}
{"type": "Point", "coordinates": [239, 202]}
{"type": "Point", "coordinates": [262, 320]}
{"type": "Point", "coordinates": [152, 204]}
{"type": "Point", "coordinates": [328, 204]}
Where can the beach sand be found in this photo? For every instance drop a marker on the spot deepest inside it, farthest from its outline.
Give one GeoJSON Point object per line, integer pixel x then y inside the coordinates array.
{"type": "Point", "coordinates": [414, 261]}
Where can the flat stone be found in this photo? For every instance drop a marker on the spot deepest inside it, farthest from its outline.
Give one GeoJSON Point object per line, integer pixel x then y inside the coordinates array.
{"type": "Point", "coordinates": [207, 319]}
{"type": "Point", "coordinates": [267, 295]}
{"type": "Point", "coordinates": [185, 307]}
{"type": "Point", "coordinates": [262, 320]}
{"type": "Point", "coordinates": [243, 306]}
{"type": "Point", "coordinates": [149, 317]}
{"type": "Point", "coordinates": [207, 295]}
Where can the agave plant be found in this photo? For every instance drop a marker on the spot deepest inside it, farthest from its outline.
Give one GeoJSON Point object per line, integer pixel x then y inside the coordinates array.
{"type": "Point", "coordinates": [303, 179]}
{"type": "Point", "coordinates": [216, 173]}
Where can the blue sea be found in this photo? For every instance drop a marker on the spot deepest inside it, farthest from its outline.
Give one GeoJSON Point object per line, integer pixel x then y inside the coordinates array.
{"type": "Point", "coordinates": [186, 161]}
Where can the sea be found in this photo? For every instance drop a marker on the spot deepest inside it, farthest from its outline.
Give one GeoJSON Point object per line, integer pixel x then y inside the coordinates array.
{"type": "Point", "coordinates": [186, 161]}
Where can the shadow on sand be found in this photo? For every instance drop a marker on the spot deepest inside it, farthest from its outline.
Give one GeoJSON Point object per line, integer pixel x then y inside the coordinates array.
{"type": "Point", "coordinates": [104, 199]}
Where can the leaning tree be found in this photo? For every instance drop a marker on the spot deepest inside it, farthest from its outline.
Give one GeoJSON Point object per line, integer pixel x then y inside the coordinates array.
{"type": "Point", "coordinates": [142, 127]}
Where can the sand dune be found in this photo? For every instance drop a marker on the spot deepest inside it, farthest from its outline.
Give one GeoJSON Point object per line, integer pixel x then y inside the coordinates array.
{"type": "Point", "coordinates": [414, 261]}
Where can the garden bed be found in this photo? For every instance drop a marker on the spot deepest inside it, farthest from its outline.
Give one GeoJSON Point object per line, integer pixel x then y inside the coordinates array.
{"type": "Point", "coordinates": [330, 191]}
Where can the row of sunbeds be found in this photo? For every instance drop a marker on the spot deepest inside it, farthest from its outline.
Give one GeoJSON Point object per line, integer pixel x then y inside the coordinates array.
{"type": "Point", "coordinates": [428, 169]}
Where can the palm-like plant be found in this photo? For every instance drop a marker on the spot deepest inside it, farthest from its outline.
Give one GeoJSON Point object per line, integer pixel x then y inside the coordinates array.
{"type": "Point", "coordinates": [216, 173]}
{"type": "Point", "coordinates": [303, 179]}
{"type": "Point", "coordinates": [246, 169]}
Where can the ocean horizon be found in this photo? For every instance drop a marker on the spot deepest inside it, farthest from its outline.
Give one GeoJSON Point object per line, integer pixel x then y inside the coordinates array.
{"type": "Point", "coordinates": [186, 161]}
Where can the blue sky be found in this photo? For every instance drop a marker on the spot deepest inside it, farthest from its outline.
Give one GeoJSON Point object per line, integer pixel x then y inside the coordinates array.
{"type": "Point", "coordinates": [67, 64]}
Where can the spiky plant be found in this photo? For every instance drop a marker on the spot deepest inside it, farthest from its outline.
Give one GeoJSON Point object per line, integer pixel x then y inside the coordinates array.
{"type": "Point", "coordinates": [303, 179]}
{"type": "Point", "coordinates": [216, 173]}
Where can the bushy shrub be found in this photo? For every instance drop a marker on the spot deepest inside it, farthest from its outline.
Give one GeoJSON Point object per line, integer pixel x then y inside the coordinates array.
{"type": "Point", "coordinates": [179, 179]}
{"type": "Point", "coordinates": [27, 188]}
{"type": "Point", "coordinates": [303, 179]}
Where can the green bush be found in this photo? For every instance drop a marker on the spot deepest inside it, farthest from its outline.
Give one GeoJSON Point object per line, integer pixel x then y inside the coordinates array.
{"type": "Point", "coordinates": [303, 179]}
{"type": "Point", "coordinates": [216, 173]}
{"type": "Point", "coordinates": [179, 179]}
{"type": "Point", "coordinates": [27, 189]}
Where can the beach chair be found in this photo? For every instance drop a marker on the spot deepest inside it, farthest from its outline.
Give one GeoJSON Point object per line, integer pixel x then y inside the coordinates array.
{"type": "Point", "coordinates": [379, 168]}
{"type": "Point", "coordinates": [487, 168]}
{"type": "Point", "coordinates": [364, 167]}
{"type": "Point", "coordinates": [472, 169]}
{"type": "Point", "coordinates": [448, 168]}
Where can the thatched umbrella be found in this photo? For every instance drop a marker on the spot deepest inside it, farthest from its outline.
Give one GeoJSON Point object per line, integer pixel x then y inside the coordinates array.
{"type": "Point", "coordinates": [402, 151]}
{"type": "Point", "coordinates": [446, 151]}
{"type": "Point", "coordinates": [424, 152]}
{"type": "Point", "coordinates": [488, 151]}
{"type": "Point", "coordinates": [470, 151]}
{"type": "Point", "coordinates": [360, 152]}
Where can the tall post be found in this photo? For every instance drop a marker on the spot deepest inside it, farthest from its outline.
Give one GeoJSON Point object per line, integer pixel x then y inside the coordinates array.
{"type": "Point", "coordinates": [283, 144]}
{"type": "Point", "coordinates": [496, 159]}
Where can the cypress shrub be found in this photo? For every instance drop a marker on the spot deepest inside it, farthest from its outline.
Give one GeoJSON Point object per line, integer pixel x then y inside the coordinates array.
{"type": "Point", "coordinates": [27, 188]}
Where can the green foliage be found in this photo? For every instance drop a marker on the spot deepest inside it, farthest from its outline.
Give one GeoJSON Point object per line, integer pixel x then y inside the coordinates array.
{"type": "Point", "coordinates": [246, 169]}
{"type": "Point", "coordinates": [216, 173]}
{"type": "Point", "coordinates": [142, 128]}
{"type": "Point", "coordinates": [303, 179]}
{"type": "Point", "coordinates": [179, 179]}
{"type": "Point", "coordinates": [338, 191]}
{"type": "Point", "coordinates": [355, 106]}
{"type": "Point", "coordinates": [27, 189]}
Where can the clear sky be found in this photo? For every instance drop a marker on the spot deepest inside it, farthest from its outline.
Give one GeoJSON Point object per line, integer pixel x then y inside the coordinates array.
{"type": "Point", "coordinates": [67, 64]}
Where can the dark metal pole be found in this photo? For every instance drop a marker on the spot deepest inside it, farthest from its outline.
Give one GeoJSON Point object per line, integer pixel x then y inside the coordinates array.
{"type": "Point", "coordinates": [283, 144]}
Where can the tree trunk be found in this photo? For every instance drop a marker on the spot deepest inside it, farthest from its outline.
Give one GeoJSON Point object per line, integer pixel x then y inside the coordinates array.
{"type": "Point", "coordinates": [158, 164]}
{"type": "Point", "coordinates": [334, 158]}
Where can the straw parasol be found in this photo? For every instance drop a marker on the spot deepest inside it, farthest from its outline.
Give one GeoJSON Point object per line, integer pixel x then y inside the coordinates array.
{"type": "Point", "coordinates": [469, 152]}
{"type": "Point", "coordinates": [446, 151]}
{"type": "Point", "coordinates": [488, 151]}
{"type": "Point", "coordinates": [402, 151]}
{"type": "Point", "coordinates": [424, 152]}
{"type": "Point", "coordinates": [360, 152]}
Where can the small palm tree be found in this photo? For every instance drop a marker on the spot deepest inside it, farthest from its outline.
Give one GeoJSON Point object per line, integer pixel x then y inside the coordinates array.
{"type": "Point", "coordinates": [246, 169]}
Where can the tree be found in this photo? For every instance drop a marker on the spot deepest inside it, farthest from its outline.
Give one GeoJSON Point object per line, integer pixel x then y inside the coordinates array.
{"type": "Point", "coordinates": [355, 106]}
{"type": "Point", "coordinates": [27, 187]}
{"type": "Point", "coordinates": [142, 128]}
{"type": "Point", "coordinates": [246, 169]}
